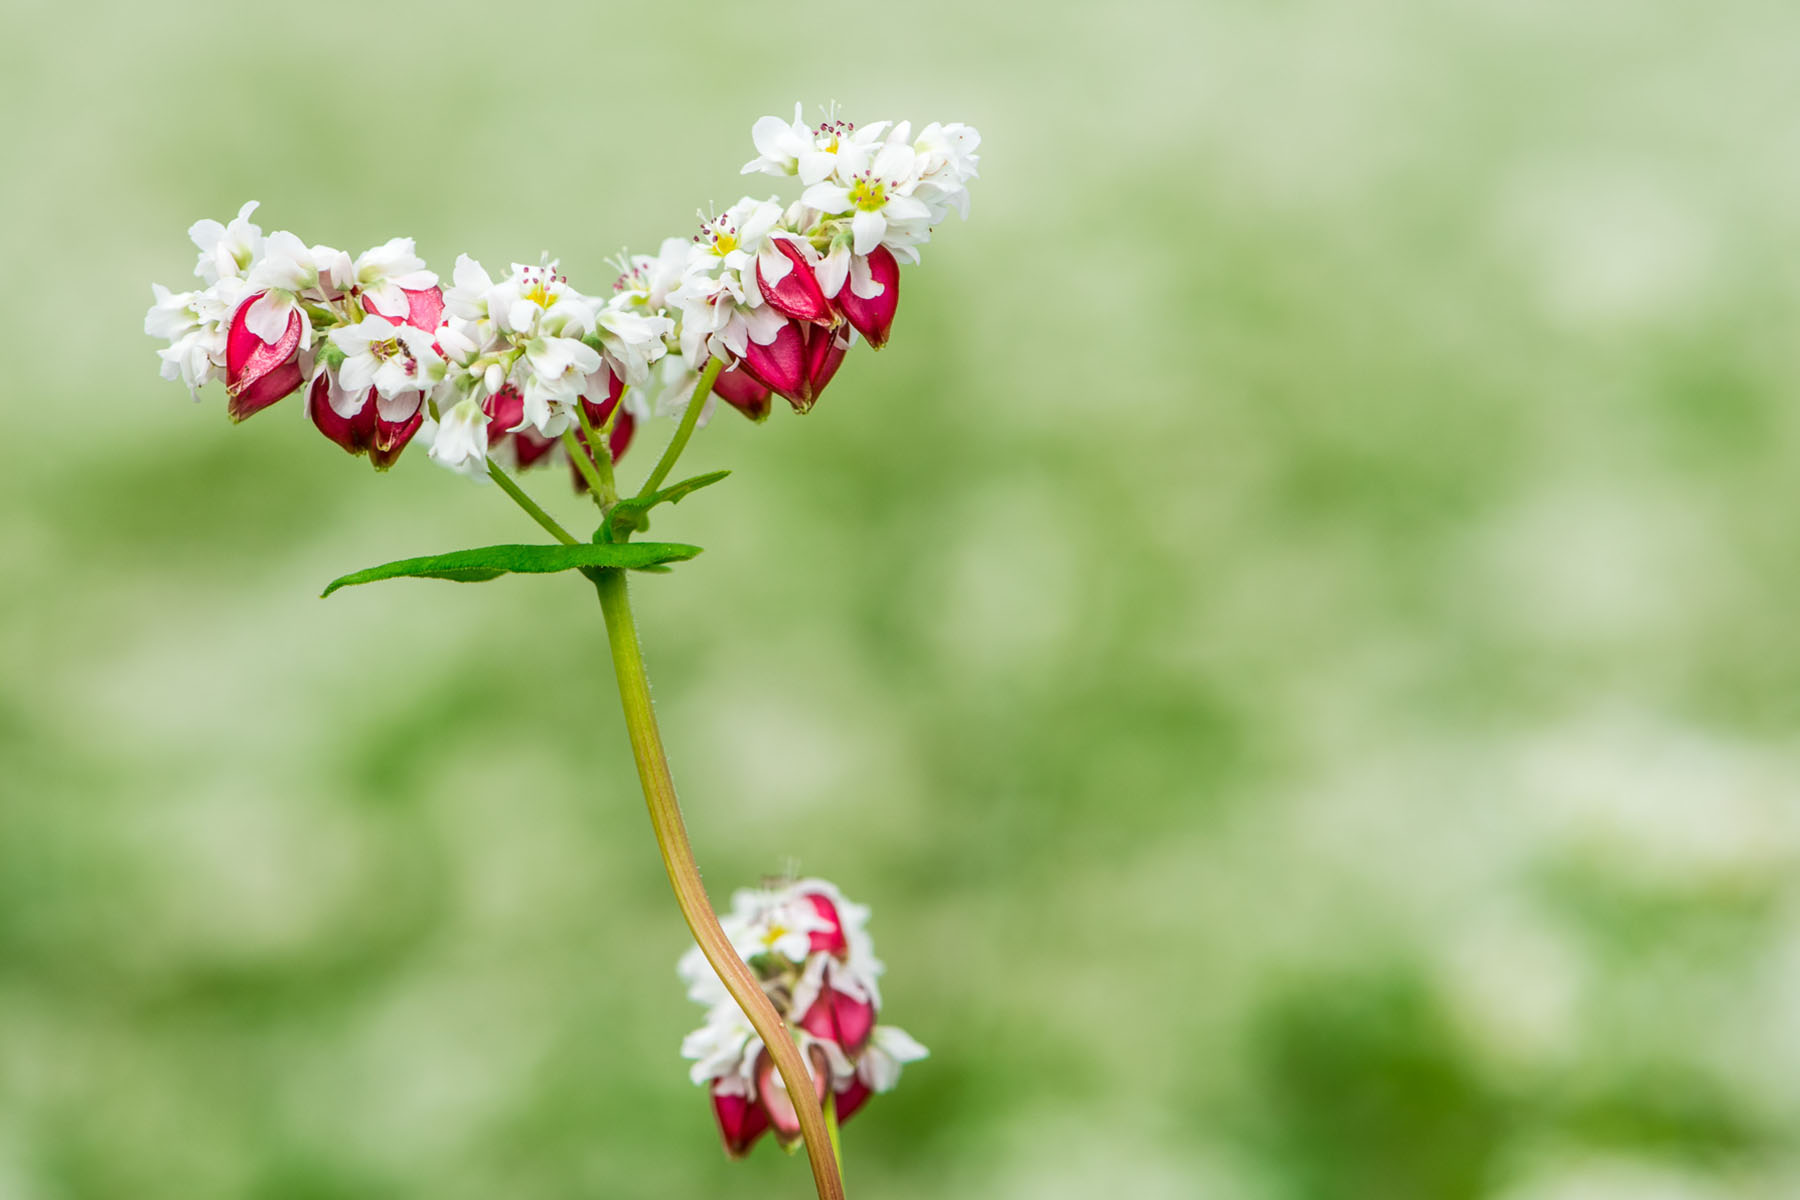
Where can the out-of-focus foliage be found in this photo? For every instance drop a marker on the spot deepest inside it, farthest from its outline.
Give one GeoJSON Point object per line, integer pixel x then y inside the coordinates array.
{"type": "Point", "coordinates": [1295, 637]}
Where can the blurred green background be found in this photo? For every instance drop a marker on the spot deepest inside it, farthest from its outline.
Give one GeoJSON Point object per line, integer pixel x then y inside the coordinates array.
{"type": "Point", "coordinates": [1294, 639]}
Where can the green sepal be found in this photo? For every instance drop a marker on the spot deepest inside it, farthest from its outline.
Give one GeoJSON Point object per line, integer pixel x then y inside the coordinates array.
{"type": "Point", "coordinates": [490, 562]}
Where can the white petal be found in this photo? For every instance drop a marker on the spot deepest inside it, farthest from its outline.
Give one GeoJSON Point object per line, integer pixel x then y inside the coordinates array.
{"type": "Point", "coordinates": [868, 228]}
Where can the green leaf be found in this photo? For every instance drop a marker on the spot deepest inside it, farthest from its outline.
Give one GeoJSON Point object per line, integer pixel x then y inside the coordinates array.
{"type": "Point", "coordinates": [491, 562]}
{"type": "Point", "coordinates": [632, 515]}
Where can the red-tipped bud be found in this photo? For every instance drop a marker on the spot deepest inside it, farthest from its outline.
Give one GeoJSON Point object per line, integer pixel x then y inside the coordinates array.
{"type": "Point", "coordinates": [741, 1121]}
{"type": "Point", "coordinates": [738, 388]}
{"type": "Point", "coordinates": [780, 366]}
{"type": "Point", "coordinates": [381, 428]}
{"type": "Point", "coordinates": [356, 434]}
{"type": "Point", "coordinates": [825, 350]}
{"type": "Point", "coordinates": [840, 1018]}
{"type": "Point", "coordinates": [258, 373]}
{"type": "Point", "coordinates": [797, 294]}
{"type": "Point", "coordinates": [830, 940]}
{"type": "Point", "coordinates": [873, 317]}
{"type": "Point", "coordinates": [391, 436]}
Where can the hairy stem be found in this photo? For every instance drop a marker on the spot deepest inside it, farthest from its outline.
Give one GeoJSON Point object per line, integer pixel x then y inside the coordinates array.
{"type": "Point", "coordinates": [685, 430]}
{"type": "Point", "coordinates": [600, 449]}
{"type": "Point", "coordinates": [584, 465]}
{"type": "Point", "coordinates": [684, 873]}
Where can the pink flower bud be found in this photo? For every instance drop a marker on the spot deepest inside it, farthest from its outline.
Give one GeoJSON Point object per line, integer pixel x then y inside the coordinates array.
{"type": "Point", "coordinates": [368, 431]}
{"type": "Point", "coordinates": [355, 434]}
{"type": "Point", "coordinates": [505, 409]}
{"type": "Point", "coordinates": [873, 317]}
{"type": "Point", "coordinates": [774, 1096]}
{"type": "Point", "coordinates": [257, 374]}
{"type": "Point", "coordinates": [741, 1121]}
{"type": "Point", "coordinates": [738, 388]}
{"type": "Point", "coordinates": [780, 366]}
{"type": "Point", "coordinates": [839, 1018]}
{"type": "Point", "coordinates": [424, 308]}
{"type": "Point", "coordinates": [825, 350]}
{"type": "Point", "coordinates": [831, 940]}
{"type": "Point", "coordinates": [391, 436]}
{"type": "Point", "coordinates": [797, 295]}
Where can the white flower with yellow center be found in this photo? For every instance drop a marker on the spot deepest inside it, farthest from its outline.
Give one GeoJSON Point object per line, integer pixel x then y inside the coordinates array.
{"type": "Point", "coordinates": [392, 359]}
{"type": "Point", "coordinates": [876, 193]}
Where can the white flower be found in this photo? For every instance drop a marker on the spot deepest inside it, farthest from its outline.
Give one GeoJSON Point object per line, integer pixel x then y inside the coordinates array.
{"type": "Point", "coordinates": [227, 251]}
{"type": "Point", "coordinates": [460, 441]}
{"type": "Point", "coordinates": [889, 1047]}
{"type": "Point", "coordinates": [631, 340]}
{"type": "Point", "coordinates": [392, 359]}
{"type": "Point", "coordinates": [196, 325]}
{"type": "Point", "coordinates": [725, 1048]}
{"type": "Point", "coordinates": [387, 272]}
{"type": "Point", "coordinates": [795, 148]}
{"type": "Point", "coordinates": [671, 388]}
{"type": "Point", "coordinates": [876, 192]}
{"type": "Point", "coordinates": [946, 162]}
{"type": "Point", "coordinates": [467, 294]}
{"type": "Point", "coordinates": [647, 281]}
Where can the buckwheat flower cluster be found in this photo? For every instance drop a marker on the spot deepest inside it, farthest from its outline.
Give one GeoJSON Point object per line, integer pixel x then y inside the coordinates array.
{"type": "Point", "coordinates": [810, 948]}
{"type": "Point", "coordinates": [276, 313]}
{"type": "Point", "coordinates": [765, 300]}
{"type": "Point", "coordinates": [522, 352]}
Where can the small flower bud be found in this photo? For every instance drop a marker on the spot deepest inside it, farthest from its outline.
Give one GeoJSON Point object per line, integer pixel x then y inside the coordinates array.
{"type": "Point", "coordinates": [780, 365]}
{"type": "Point", "coordinates": [796, 294]}
{"type": "Point", "coordinates": [258, 373]}
{"type": "Point", "coordinates": [869, 303]}
{"type": "Point", "coordinates": [738, 388]}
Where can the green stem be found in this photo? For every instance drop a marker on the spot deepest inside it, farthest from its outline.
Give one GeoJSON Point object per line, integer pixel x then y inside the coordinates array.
{"type": "Point", "coordinates": [529, 505]}
{"type": "Point", "coordinates": [584, 466]}
{"type": "Point", "coordinates": [601, 452]}
{"type": "Point", "coordinates": [685, 430]}
{"type": "Point", "coordinates": [831, 1128]}
{"type": "Point", "coordinates": [684, 877]}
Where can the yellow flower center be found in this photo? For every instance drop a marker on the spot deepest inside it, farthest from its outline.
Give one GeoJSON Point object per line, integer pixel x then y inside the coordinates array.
{"type": "Point", "coordinates": [868, 195]}
{"type": "Point", "coordinates": [724, 242]}
{"type": "Point", "coordinates": [539, 293]}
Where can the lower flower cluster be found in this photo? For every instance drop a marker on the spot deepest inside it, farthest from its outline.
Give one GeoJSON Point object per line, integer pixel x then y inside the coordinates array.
{"type": "Point", "coordinates": [810, 948]}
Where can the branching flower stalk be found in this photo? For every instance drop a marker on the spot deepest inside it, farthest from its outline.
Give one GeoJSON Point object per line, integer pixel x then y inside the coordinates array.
{"type": "Point", "coordinates": [764, 301]}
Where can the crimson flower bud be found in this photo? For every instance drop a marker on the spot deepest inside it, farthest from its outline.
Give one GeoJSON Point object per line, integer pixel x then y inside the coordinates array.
{"type": "Point", "coordinates": [258, 373]}
{"type": "Point", "coordinates": [780, 366]}
{"type": "Point", "coordinates": [741, 1121]}
{"type": "Point", "coordinates": [873, 317]}
{"type": "Point", "coordinates": [825, 350]}
{"type": "Point", "coordinates": [797, 295]}
{"type": "Point", "coordinates": [738, 388]}
{"type": "Point", "coordinates": [381, 428]}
